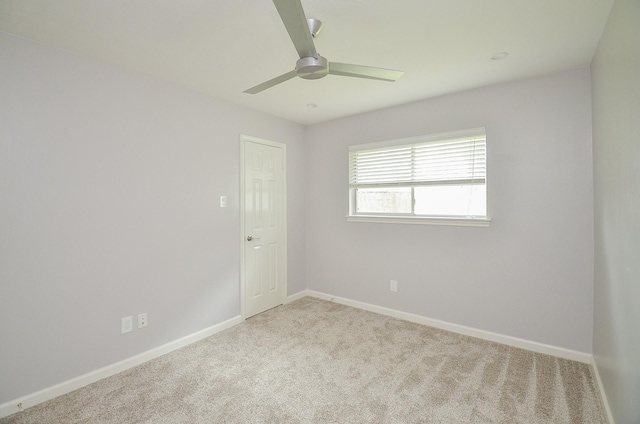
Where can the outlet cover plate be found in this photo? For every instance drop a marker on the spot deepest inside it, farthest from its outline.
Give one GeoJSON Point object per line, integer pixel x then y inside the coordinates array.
{"type": "Point", "coordinates": [143, 321]}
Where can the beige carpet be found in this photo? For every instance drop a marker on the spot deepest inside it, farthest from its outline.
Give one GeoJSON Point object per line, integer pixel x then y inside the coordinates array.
{"type": "Point", "coordinates": [313, 361]}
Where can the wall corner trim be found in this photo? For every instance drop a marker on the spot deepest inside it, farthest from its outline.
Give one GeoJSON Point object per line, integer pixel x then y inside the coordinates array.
{"type": "Point", "coordinates": [603, 394]}
{"type": "Point", "coordinates": [65, 387]}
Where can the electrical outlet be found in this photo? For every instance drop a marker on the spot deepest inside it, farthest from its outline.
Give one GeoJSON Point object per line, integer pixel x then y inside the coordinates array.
{"type": "Point", "coordinates": [223, 201]}
{"type": "Point", "coordinates": [127, 324]}
{"type": "Point", "coordinates": [393, 286]}
{"type": "Point", "coordinates": [142, 320]}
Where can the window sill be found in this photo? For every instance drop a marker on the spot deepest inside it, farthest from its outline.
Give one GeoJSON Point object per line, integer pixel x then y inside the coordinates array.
{"type": "Point", "coordinates": [421, 220]}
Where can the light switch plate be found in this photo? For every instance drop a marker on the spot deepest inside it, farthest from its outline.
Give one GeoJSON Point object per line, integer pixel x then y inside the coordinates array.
{"type": "Point", "coordinates": [126, 324]}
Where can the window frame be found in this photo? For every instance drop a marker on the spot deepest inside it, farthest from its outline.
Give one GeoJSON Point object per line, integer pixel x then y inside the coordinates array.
{"type": "Point", "coordinates": [411, 218]}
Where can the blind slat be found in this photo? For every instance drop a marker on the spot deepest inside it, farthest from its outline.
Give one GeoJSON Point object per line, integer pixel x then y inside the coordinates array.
{"type": "Point", "coordinates": [441, 161]}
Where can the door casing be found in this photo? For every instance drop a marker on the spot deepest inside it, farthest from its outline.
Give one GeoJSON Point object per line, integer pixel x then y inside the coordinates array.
{"type": "Point", "coordinates": [244, 139]}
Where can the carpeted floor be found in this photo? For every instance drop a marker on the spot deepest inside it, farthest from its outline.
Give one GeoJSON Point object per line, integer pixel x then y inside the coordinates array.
{"type": "Point", "coordinates": [313, 361]}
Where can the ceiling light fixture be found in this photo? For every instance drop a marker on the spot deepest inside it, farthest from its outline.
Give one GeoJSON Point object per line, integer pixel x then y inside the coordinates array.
{"type": "Point", "coordinates": [500, 56]}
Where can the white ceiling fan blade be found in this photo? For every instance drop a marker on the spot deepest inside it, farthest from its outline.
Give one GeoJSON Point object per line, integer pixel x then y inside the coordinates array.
{"type": "Point", "coordinates": [268, 84]}
{"type": "Point", "coordinates": [295, 21]}
{"type": "Point", "coordinates": [359, 71]}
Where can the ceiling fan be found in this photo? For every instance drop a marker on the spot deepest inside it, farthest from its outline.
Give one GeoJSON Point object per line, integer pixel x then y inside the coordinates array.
{"type": "Point", "coordinates": [311, 65]}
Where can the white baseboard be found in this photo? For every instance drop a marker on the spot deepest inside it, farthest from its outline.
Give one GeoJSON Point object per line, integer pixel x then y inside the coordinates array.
{"type": "Point", "coordinates": [11, 407]}
{"type": "Point", "coordinates": [65, 387]}
{"type": "Point", "coordinates": [603, 394]}
{"type": "Point", "coordinates": [460, 329]}
{"type": "Point", "coordinates": [296, 296]}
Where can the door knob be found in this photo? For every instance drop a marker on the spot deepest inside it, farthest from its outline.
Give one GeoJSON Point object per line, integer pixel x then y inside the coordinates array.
{"type": "Point", "coordinates": [249, 238]}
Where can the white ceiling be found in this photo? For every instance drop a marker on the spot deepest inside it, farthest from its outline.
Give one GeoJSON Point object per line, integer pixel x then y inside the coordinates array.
{"type": "Point", "coordinates": [222, 47]}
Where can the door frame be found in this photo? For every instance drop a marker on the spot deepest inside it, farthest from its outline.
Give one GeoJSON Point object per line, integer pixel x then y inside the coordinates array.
{"type": "Point", "coordinates": [243, 235]}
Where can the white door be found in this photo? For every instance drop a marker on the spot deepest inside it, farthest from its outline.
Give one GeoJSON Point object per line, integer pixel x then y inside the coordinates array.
{"type": "Point", "coordinates": [264, 232]}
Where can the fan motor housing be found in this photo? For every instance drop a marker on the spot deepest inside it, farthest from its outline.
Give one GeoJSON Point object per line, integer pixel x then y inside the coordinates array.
{"type": "Point", "coordinates": [312, 67]}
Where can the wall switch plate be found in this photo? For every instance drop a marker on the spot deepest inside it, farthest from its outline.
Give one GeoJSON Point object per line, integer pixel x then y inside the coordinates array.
{"type": "Point", "coordinates": [393, 286]}
{"type": "Point", "coordinates": [142, 320]}
{"type": "Point", "coordinates": [126, 324]}
{"type": "Point", "coordinates": [223, 201]}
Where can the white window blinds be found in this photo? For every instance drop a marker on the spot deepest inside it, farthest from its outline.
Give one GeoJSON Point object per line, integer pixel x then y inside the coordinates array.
{"type": "Point", "coordinates": [445, 160]}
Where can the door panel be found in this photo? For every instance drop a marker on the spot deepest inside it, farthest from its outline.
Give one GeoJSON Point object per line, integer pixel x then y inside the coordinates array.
{"type": "Point", "coordinates": [264, 227]}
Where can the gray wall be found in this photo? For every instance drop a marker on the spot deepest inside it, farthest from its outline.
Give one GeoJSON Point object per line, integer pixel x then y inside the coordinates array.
{"type": "Point", "coordinates": [109, 186]}
{"type": "Point", "coordinates": [109, 206]}
{"type": "Point", "coordinates": [528, 275]}
{"type": "Point", "coordinates": [616, 139]}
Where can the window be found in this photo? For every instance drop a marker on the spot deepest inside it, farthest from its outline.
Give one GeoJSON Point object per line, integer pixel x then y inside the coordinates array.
{"type": "Point", "coordinates": [432, 179]}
